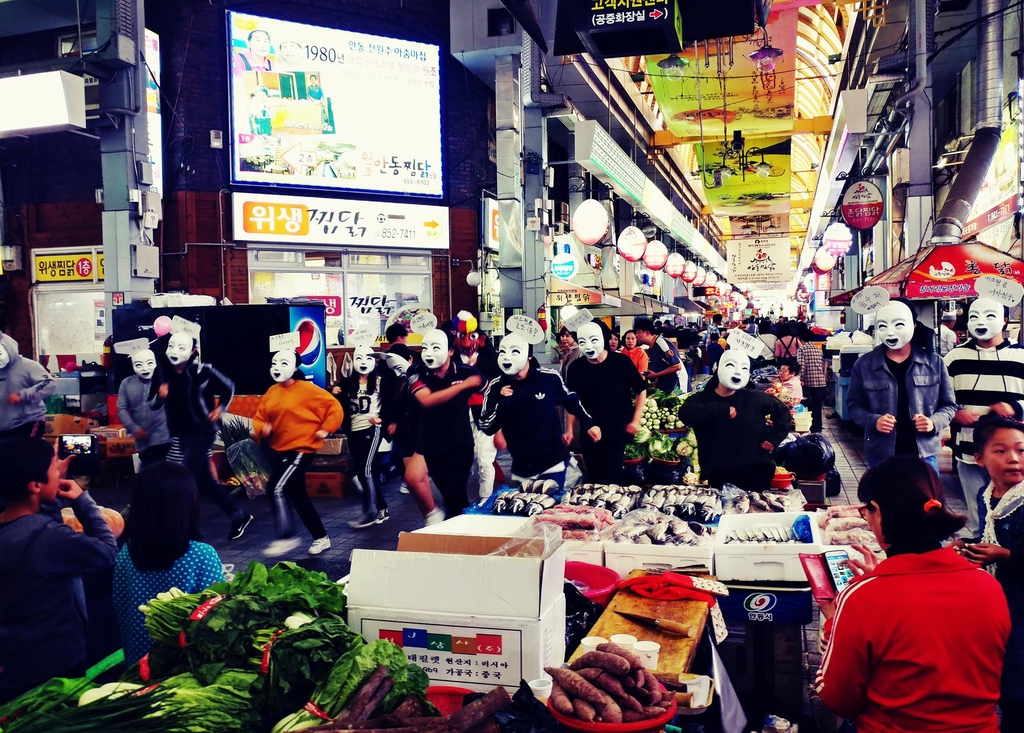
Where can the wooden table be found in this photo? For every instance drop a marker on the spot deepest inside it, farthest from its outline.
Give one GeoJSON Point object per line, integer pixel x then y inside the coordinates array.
{"type": "Point", "coordinates": [676, 653]}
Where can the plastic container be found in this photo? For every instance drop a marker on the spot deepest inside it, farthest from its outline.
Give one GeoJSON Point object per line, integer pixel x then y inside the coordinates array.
{"type": "Point", "coordinates": [642, 726]}
{"type": "Point", "coordinates": [648, 652]}
{"type": "Point", "coordinates": [632, 461]}
{"type": "Point", "coordinates": [541, 689]}
{"type": "Point", "coordinates": [762, 561]}
{"type": "Point", "coordinates": [663, 462]}
{"type": "Point", "coordinates": [447, 699]}
{"type": "Point", "coordinates": [626, 641]}
{"type": "Point", "coordinates": [600, 582]}
{"type": "Point", "coordinates": [782, 480]}
{"type": "Point", "coordinates": [591, 643]}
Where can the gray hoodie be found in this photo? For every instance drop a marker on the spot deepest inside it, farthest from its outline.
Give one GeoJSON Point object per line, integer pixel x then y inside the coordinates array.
{"type": "Point", "coordinates": [42, 603]}
{"type": "Point", "coordinates": [134, 411]}
{"type": "Point", "coordinates": [30, 380]}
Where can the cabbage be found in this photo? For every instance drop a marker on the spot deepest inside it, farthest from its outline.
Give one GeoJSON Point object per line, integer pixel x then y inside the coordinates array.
{"type": "Point", "coordinates": [642, 435]}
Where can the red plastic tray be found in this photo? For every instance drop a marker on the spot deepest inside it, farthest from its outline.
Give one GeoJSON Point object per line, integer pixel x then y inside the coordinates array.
{"type": "Point", "coordinates": [650, 725]}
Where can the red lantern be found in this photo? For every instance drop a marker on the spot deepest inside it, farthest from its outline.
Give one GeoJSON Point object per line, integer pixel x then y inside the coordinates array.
{"type": "Point", "coordinates": [656, 255]}
{"type": "Point", "coordinates": [689, 272]}
{"type": "Point", "coordinates": [823, 261]}
{"type": "Point", "coordinates": [698, 280]}
{"type": "Point", "coordinates": [837, 239]}
{"type": "Point", "coordinates": [675, 264]}
{"type": "Point", "coordinates": [632, 244]}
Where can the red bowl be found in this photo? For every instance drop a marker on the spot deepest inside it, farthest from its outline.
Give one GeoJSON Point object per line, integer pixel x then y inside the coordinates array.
{"type": "Point", "coordinates": [632, 461]}
{"type": "Point", "coordinates": [651, 725]}
{"type": "Point", "coordinates": [447, 699]}
{"type": "Point", "coordinates": [782, 480]}
{"type": "Point", "coordinates": [600, 580]}
{"type": "Point", "coordinates": [663, 462]}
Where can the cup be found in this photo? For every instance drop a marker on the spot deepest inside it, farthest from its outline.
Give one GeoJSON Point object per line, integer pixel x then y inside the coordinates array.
{"type": "Point", "coordinates": [648, 653]}
{"type": "Point", "coordinates": [591, 643]}
{"type": "Point", "coordinates": [541, 689]}
{"type": "Point", "coordinates": [626, 641]}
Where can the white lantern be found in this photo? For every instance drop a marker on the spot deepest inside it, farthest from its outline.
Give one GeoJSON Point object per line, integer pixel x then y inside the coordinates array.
{"type": "Point", "coordinates": [590, 222]}
{"type": "Point", "coordinates": [675, 265]}
{"type": "Point", "coordinates": [823, 261]}
{"type": "Point", "coordinates": [632, 244]}
{"type": "Point", "coordinates": [689, 272]}
{"type": "Point", "coordinates": [698, 280]}
{"type": "Point", "coordinates": [656, 255]}
{"type": "Point", "coordinates": [711, 279]}
{"type": "Point", "coordinates": [837, 239]}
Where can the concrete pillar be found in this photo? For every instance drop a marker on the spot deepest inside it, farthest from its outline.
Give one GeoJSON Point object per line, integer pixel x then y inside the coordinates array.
{"type": "Point", "coordinates": [920, 206]}
{"type": "Point", "coordinates": [534, 284]}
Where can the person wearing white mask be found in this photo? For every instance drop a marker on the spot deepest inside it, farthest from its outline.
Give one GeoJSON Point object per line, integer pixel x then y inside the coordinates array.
{"type": "Point", "coordinates": [523, 405]}
{"type": "Point", "coordinates": [441, 385]}
{"type": "Point", "coordinates": [24, 386]}
{"type": "Point", "coordinates": [737, 428]}
{"type": "Point", "coordinates": [606, 382]}
{"type": "Point", "coordinates": [988, 377]}
{"type": "Point", "coordinates": [194, 396]}
{"type": "Point", "coordinates": [368, 417]}
{"type": "Point", "coordinates": [142, 421]}
{"type": "Point", "coordinates": [292, 420]}
{"type": "Point", "coordinates": [900, 394]}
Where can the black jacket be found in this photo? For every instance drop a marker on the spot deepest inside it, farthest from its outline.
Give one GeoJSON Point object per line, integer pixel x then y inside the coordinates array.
{"type": "Point", "coordinates": [529, 419]}
{"type": "Point", "coordinates": [192, 395]}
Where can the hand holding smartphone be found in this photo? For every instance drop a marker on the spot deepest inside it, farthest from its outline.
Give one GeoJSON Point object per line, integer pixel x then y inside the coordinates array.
{"type": "Point", "coordinates": [828, 573]}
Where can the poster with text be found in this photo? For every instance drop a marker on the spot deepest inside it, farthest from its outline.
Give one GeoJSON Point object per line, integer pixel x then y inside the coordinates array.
{"type": "Point", "coordinates": [328, 108]}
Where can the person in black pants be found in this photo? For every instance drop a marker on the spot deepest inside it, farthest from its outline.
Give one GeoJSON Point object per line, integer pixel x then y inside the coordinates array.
{"type": "Point", "coordinates": [442, 387]}
{"type": "Point", "coordinates": [195, 396]}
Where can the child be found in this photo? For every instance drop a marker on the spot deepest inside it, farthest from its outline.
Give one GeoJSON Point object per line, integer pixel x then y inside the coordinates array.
{"type": "Point", "coordinates": [999, 446]}
{"type": "Point", "coordinates": [369, 408]}
{"type": "Point", "coordinates": [145, 423]}
{"type": "Point", "coordinates": [42, 603]}
{"type": "Point", "coordinates": [161, 550]}
{"type": "Point", "coordinates": [293, 419]}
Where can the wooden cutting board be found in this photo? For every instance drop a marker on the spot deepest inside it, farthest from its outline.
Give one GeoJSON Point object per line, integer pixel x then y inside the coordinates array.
{"type": "Point", "coordinates": [676, 653]}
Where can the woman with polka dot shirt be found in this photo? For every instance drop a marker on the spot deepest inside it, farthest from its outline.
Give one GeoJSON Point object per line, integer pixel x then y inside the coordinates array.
{"type": "Point", "coordinates": [162, 550]}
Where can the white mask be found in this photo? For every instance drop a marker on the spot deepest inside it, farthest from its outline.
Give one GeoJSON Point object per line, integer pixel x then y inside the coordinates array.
{"type": "Point", "coordinates": [179, 348]}
{"type": "Point", "coordinates": [894, 325]}
{"type": "Point", "coordinates": [985, 319]}
{"type": "Point", "coordinates": [435, 348]}
{"type": "Point", "coordinates": [591, 340]}
{"type": "Point", "coordinates": [362, 360]}
{"type": "Point", "coordinates": [513, 354]}
{"type": "Point", "coordinates": [144, 364]}
{"type": "Point", "coordinates": [734, 370]}
{"type": "Point", "coordinates": [5, 358]}
{"type": "Point", "coordinates": [283, 366]}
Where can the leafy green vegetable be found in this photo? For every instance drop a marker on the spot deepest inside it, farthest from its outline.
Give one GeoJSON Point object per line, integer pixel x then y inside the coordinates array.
{"type": "Point", "coordinates": [663, 448]}
{"type": "Point", "coordinates": [225, 706]}
{"type": "Point", "coordinates": [633, 451]}
{"type": "Point", "coordinates": [642, 436]}
{"type": "Point", "coordinates": [50, 698]}
{"type": "Point", "coordinates": [287, 583]}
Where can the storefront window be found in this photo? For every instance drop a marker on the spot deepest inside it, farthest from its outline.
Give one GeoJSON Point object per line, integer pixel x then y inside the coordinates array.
{"type": "Point", "coordinates": [70, 323]}
{"type": "Point", "coordinates": [373, 298]}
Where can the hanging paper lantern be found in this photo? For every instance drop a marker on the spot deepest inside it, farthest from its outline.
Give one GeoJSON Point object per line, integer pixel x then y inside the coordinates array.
{"type": "Point", "coordinates": [698, 279]}
{"type": "Point", "coordinates": [675, 264]}
{"type": "Point", "coordinates": [837, 239]}
{"type": "Point", "coordinates": [823, 261]}
{"type": "Point", "coordinates": [739, 301]}
{"type": "Point", "coordinates": [711, 279]}
{"type": "Point", "coordinates": [632, 244]}
{"type": "Point", "coordinates": [656, 255]}
{"type": "Point", "coordinates": [689, 272]}
{"type": "Point", "coordinates": [590, 222]}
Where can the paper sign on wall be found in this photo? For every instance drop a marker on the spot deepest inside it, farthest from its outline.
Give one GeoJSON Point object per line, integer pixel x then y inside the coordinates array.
{"type": "Point", "coordinates": [999, 289]}
{"type": "Point", "coordinates": [742, 341]}
{"type": "Point", "coordinates": [869, 300]}
{"type": "Point", "coordinates": [361, 337]}
{"type": "Point", "coordinates": [284, 341]}
{"type": "Point", "coordinates": [130, 347]}
{"type": "Point", "coordinates": [181, 325]}
{"type": "Point", "coordinates": [423, 322]}
{"type": "Point", "coordinates": [526, 327]}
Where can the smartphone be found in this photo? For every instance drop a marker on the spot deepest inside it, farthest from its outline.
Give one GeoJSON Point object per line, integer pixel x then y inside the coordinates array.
{"type": "Point", "coordinates": [828, 573]}
{"type": "Point", "coordinates": [77, 445]}
{"type": "Point", "coordinates": [838, 564]}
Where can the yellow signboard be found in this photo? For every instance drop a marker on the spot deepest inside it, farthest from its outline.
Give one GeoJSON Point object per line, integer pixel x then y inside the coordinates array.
{"type": "Point", "coordinates": [65, 268]}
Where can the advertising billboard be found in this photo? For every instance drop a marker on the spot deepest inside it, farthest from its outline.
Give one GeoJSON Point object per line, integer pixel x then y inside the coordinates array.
{"type": "Point", "coordinates": [327, 108]}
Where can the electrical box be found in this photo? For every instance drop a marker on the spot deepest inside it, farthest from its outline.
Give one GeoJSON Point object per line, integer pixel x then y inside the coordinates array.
{"type": "Point", "coordinates": [146, 261]}
{"type": "Point", "coordinates": [10, 258]}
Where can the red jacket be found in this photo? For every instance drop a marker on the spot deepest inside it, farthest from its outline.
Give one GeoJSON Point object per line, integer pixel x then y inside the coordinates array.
{"type": "Point", "coordinates": [917, 645]}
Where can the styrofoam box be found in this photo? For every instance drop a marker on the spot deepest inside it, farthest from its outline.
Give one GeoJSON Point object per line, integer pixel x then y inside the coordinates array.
{"type": "Point", "coordinates": [762, 560]}
{"type": "Point", "coordinates": [578, 551]}
{"type": "Point", "coordinates": [478, 525]}
{"type": "Point", "coordinates": [624, 557]}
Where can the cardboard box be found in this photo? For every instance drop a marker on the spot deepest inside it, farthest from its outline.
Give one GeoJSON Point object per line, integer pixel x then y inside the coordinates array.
{"type": "Point", "coordinates": [455, 575]}
{"type": "Point", "coordinates": [325, 484]}
{"type": "Point", "coordinates": [120, 447]}
{"type": "Point", "coordinates": [57, 425]}
{"type": "Point", "coordinates": [108, 433]}
{"type": "Point", "coordinates": [624, 557]}
{"type": "Point", "coordinates": [476, 652]}
{"type": "Point", "coordinates": [763, 560]}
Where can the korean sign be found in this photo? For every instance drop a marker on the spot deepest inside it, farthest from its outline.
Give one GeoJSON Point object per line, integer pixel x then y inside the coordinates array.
{"type": "Point", "coordinates": [311, 220]}
{"type": "Point", "coordinates": [328, 108]}
{"type": "Point", "coordinates": [758, 260]}
{"type": "Point", "coordinates": [65, 268]}
{"type": "Point", "coordinates": [862, 205]}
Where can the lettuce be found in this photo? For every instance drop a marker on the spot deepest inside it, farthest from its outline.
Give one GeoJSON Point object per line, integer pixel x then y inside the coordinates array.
{"type": "Point", "coordinates": [643, 435]}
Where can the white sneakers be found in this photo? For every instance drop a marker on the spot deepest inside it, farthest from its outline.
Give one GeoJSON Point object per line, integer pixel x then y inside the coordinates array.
{"type": "Point", "coordinates": [319, 545]}
{"type": "Point", "coordinates": [434, 516]}
{"type": "Point", "coordinates": [281, 547]}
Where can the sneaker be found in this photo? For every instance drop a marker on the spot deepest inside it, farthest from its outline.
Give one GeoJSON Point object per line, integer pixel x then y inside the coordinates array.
{"type": "Point", "coordinates": [319, 545]}
{"type": "Point", "coordinates": [281, 547]}
{"type": "Point", "coordinates": [383, 516]}
{"type": "Point", "coordinates": [238, 528]}
{"type": "Point", "coordinates": [404, 488]}
{"type": "Point", "coordinates": [434, 516]}
{"type": "Point", "coordinates": [369, 519]}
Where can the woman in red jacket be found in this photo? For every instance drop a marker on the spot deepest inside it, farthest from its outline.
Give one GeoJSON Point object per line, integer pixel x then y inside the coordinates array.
{"type": "Point", "coordinates": [916, 642]}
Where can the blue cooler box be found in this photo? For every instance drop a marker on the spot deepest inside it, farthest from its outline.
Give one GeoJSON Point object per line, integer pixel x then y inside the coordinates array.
{"type": "Point", "coordinates": [781, 603]}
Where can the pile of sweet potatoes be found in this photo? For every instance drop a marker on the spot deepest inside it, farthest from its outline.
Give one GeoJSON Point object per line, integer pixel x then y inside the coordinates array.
{"type": "Point", "coordinates": [609, 685]}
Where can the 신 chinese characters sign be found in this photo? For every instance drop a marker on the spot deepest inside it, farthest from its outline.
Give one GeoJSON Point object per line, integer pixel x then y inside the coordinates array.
{"type": "Point", "coordinates": [758, 260]}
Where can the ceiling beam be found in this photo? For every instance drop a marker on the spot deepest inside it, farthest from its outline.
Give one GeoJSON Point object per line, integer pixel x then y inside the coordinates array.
{"type": "Point", "coordinates": [801, 126]}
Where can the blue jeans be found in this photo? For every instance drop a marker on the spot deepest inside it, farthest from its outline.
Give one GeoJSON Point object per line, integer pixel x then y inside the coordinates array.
{"type": "Point", "coordinates": [932, 461]}
{"type": "Point", "coordinates": [973, 480]}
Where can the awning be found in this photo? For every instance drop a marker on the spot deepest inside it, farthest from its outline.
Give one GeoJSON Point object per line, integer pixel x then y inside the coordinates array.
{"type": "Point", "coordinates": [688, 306]}
{"type": "Point", "coordinates": [942, 272]}
{"type": "Point", "coordinates": [564, 293]}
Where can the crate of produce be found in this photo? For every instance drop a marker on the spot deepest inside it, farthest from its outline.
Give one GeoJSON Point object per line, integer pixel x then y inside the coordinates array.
{"type": "Point", "coordinates": [762, 559]}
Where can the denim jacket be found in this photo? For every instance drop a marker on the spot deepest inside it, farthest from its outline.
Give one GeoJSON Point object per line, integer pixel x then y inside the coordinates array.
{"type": "Point", "coordinates": [873, 393]}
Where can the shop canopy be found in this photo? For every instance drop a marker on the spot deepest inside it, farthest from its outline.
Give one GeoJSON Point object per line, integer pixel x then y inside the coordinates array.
{"type": "Point", "coordinates": [689, 307]}
{"type": "Point", "coordinates": [942, 272]}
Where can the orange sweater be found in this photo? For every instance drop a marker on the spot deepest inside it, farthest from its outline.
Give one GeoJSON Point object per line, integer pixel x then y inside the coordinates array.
{"type": "Point", "coordinates": [295, 413]}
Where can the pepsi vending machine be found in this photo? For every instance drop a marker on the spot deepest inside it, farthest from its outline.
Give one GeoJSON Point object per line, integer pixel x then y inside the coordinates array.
{"type": "Point", "coordinates": [235, 339]}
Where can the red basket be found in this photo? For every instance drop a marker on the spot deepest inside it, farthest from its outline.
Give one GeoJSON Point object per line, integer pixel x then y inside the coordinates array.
{"type": "Point", "coordinates": [642, 726]}
{"type": "Point", "coordinates": [447, 699]}
{"type": "Point", "coordinates": [601, 581]}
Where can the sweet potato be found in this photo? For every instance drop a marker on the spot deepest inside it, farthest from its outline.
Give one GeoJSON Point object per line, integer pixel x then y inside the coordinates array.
{"type": "Point", "coordinates": [652, 711]}
{"type": "Point", "coordinates": [602, 660]}
{"type": "Point", "coordinates": [583, 710]}
{"type": "Point", "coordinates": [575, 686]}
{"type": "Point", "coordinates": [559, 700]}
{"type": "Point", "coordinates": [666, 697]}
{"type": "Point", "coordinates": [611, 684]}
{"type": "Point", "coordinates": [631, 716]}
{"type": "Point", "coordinates": [620, 651]}
{"type": "Point", "coordinates": [610, 713]}
{"type": "Point", "coordinates": [651, 685]}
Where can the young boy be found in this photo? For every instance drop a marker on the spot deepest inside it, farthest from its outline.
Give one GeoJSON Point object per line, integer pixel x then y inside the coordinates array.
{"type": "Point", "coordinates": [42, 604]}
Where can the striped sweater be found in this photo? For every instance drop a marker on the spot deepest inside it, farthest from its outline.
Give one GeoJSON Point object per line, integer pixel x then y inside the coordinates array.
{"type": "Point", "coordinates": [981, 378]}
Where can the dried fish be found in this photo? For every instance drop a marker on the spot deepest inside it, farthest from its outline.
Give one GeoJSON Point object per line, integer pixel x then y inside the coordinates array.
{"type": "Point", "coordinates": [659, 532]}
{"type": "Point", "coordinates": [741, 504]}
{"type": "Point", "coordinates": [758, 502]}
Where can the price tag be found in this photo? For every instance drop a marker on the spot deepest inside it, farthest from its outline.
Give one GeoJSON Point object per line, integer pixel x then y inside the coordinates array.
{"type": "Point", "coordinates": [423, 322]}
{"type": "Point", "coordinates": [130, 347]}
{"type": "Point", "coordinates": [526, 327]}
{"type": "Point", "coordinates": [869, 300]}
{"type": "Point", "coordinates": [742, 341]}
{"type": "Point", "coordinates": [999, 289]}
{"type": "Point", "coordinates": [361, 337]}
{"type": "Point", "coordinates": [284, 342]}
{"type": "Point", "coordinates": [181, 325]}
{"type": "Point", "coordinates": [580, 318]}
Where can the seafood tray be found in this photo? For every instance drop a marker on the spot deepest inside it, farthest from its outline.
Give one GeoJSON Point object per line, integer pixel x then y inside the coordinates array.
{"type": "Point", "coordinates": [752, 502]}
{"type": "Point", "coordinates": [651, 540]}
{"type": "Point", "coordinates": [697, 503]}
{"type": "Point", "coordinates": [762, 559]}
{"type": "Point", "coordinates": [528, 500]}
{"type": "Point", "coordinates": [619, 500]}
